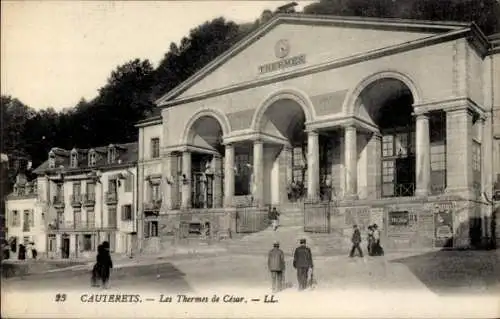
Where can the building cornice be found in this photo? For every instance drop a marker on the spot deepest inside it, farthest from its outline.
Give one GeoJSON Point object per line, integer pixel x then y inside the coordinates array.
{"type": "Point", "coordinates": [149, 122]}
{"type": "Point", "coordinates": [301, 19]}
{"type": "Point", "coordinates": [12, 197]}
{"type": "Point", "coordinates": [449, 105]}
{"type": "Point", "coordinates": [329, 65]}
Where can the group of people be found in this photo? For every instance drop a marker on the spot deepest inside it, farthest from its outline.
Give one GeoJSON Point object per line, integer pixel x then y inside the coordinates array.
{"type": "Point", "coordinates": [27, 251]}
{"type": "Point", "coordinates": [302, 262]}
{"type": "Point", "coordinates": [102, 268]}
{"type": "Point", "coordinates": [374, 248]}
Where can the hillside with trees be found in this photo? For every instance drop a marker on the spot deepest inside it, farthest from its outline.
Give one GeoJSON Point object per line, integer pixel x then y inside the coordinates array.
{"type": "Point", "coordinates": [128, 95]}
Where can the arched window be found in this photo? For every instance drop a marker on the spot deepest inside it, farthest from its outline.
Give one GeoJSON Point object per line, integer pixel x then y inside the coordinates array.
{"type": "Point", "coordinates": [74, 158]}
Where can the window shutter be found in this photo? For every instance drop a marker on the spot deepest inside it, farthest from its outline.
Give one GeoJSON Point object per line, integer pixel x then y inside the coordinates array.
{"type": "Point", "coordinates": [32, 219]}
{"type": "Point", "coordinates": [146, 229]}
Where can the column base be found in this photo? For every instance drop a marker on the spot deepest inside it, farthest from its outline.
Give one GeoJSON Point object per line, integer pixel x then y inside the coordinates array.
{"type": "Point", "coordinates": [467, 193]}
{"type": "Point", "coordinates": [422, 192]}
{"type": "Point", "coordinates": [351, 197]}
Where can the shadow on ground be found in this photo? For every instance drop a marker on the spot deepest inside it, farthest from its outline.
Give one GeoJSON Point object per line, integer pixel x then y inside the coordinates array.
{"type": "Point", "coordinates": [457, 271]}
{"type": "Point", "coordinates": [163, 277]}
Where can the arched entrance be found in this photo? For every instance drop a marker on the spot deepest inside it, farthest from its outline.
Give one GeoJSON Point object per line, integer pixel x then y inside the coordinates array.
{"type": "Point", "coordinates": [285, 163]}
{"type": "Point", "coordinates": [387, 104]}
{"type": "Point", "coordinates": [203, 161]}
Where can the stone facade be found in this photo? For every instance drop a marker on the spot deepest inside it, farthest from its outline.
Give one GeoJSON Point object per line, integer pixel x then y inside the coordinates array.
{"type": "Point", "coordinates": [328, 112]}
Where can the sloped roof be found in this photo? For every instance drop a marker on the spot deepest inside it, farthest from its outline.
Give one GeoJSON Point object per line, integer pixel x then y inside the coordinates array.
{"type": "Point", "coordinates": [300, 18]}
{"type": "Point", "coordinates": [126, 154]}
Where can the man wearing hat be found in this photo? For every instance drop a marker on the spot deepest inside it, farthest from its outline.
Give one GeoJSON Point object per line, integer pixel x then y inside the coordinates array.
{"type": "Point", "coordinates": [276, 265]}
{"type": "Point", "coordinates": [302, 261]}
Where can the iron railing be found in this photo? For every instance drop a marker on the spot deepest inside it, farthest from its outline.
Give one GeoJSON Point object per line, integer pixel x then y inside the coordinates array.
{"type": "Point", "coordinates": [111, 197]}
{"type": "Point", "coordinates": [317, 216]}
{"type": "Point", "coordinates": [89, 199]}
{"type": "Point", "coordinates": [76, 200]}
{"type": "Point", "coordinates": [251, 219]}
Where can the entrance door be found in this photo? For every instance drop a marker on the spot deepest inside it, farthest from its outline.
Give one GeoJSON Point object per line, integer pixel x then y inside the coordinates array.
{"type": "Point", "coordinates": [65, 247]}
{"type": "Point", "coordinates": [202, 196]}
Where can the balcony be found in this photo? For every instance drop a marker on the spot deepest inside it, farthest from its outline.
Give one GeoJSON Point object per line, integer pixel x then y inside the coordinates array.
{"type": "Point", "coordinates": [89, 200]}
{"type": "Point", "coordinates": [68, 226]}
{"type": "Point", "coordinates": [58, 201]}
{"type": "Point", "coordinates": [111, 198]}
{"type": "Point", "coordinates": [76, 200]}
{"type": "Point", "coordinates": [152, 205]}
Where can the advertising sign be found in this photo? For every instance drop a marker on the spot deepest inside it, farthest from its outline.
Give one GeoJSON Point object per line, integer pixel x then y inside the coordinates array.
{"type": "Point", "coordinates": [443, 221]}
{"type": "Point", "coordinates": [399, 218]}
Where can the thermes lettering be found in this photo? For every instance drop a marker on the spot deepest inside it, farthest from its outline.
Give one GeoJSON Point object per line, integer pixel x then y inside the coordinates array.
{"type": "Point", "coordinates": [283, 64]}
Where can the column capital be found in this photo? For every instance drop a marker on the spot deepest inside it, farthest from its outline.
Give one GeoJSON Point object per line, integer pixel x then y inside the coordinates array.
{"type": "Point", "coordinates": [258, 140]}
{"type": "Point", "coordinates": [421, 115]}
{"type": "Point", "coordinates": [311, 132]}
{"type": "Point", "coordinates": [350, 127]}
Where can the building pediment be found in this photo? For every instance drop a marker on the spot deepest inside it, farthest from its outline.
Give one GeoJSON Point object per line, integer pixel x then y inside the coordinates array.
{"type": "Point", "coordinates": [291, 43]}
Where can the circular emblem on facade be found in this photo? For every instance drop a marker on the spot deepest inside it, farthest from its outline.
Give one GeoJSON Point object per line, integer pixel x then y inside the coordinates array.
{"type": "Point", "coordinates": [282, 48]}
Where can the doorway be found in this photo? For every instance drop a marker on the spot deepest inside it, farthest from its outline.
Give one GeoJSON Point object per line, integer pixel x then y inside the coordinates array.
{"type": "Point", "coordinates": [65, 247]}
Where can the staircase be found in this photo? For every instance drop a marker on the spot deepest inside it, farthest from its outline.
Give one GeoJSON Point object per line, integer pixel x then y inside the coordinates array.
{"type": "Point", "coordinates": [291, 214]}
{"type": "Point", "coordinates": [288, 236]}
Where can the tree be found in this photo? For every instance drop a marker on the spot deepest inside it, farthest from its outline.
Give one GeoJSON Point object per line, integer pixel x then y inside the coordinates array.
{"type": "Point", "coordinates": [485, 13]}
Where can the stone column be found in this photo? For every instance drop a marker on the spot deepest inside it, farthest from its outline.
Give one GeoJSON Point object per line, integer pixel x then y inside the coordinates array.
{"type": "Point", "coordinates": [258, 173]}
{"type": "Point", "coordinates": [285, 172]}
{"type": "Point", "coordinates": [229, 175]}
{"type": "Point", "coordinates": [351, 162]}
{"type": "Point", "coordinates": [374, 150]}
{"type": "Point", "coordinates": [423, 159]}
{"type": "Point", "coordinates": [169, 171]}
{"type": "Point", "coordinates": [312, 165]}
{"type": "Point", "coordinates": [459, 151]}
{"type": "Point", "coordinates": [217, 191]}
{"type": "Point", "coordinates": [186, 185]}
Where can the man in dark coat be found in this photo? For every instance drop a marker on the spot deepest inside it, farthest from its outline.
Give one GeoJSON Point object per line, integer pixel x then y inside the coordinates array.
{"type": "Point", "coordinates": [356, 240]}
{"type": "Point", "coordinates": [96, 269]}
{"type": "Point", "coordinates": [276, 265]}
{"type": "Point", "coordinates": [105, 262]}
{"type": "Point", "coordinates": [302, 261]}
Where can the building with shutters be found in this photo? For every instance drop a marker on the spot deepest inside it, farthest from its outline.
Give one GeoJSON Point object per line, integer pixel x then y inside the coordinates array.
{"type": "Point", "coordinates": [80, 198]}
{"type": "Point", "coordinates": [361, 121]}
{"type": "Point", "coordinates": [24, 216]}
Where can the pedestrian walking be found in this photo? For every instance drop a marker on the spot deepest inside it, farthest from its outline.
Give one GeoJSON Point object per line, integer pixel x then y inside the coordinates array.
{"type": "Point", "coordinates": [370, 240]}
{"type": "Point", "coordinates": [356, 240]}
{"type": "Point", "coordinates": [101, 270]}
{"type": "Point", "coordinates": [303, 262]}
{"type": "Point", "coordinates": [21, 255]}
{"type": "Point", "coordinates": [276, 265]}
{"type": "Point", "coordinates": [378, 250]}
{"type": "Point", "coordinates": [105, 264]}
{"type": "Point", "coordinates": [34, 252]}
{"type": "Point", "coordinates": [96, 272]}
{"type": "Point", "coordinates": [274, 218]}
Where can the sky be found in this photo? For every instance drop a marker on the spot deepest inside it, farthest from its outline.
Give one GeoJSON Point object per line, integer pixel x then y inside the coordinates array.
{"type": "Point", "coordinates": [53, 53]}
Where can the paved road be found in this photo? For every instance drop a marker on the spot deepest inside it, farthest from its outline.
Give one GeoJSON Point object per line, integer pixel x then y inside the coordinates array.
{"type": "Point", "coordinates": [436, 272]}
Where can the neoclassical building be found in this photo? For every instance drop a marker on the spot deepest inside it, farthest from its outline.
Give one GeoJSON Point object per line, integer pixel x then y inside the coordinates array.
{"type": "Point", "coordinates": [362, 120]}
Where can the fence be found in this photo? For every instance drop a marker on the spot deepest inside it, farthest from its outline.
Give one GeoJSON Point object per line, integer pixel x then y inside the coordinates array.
{"type": "Point", "coordinates": [250, 219]}
{"type": "Point", "coordinates": [317, 216]}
